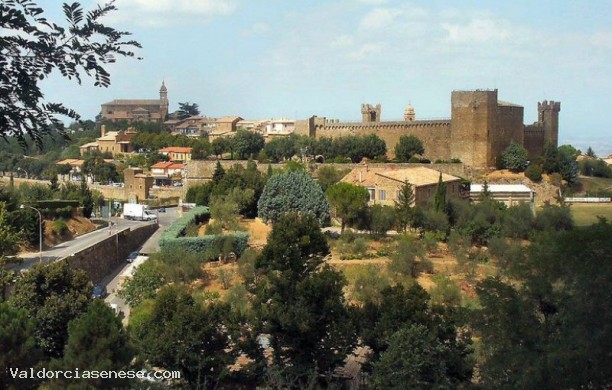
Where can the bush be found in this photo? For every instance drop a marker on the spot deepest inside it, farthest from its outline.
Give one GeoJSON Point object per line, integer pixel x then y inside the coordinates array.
{"type": "Point", "coordinates": [59, 227]}
{"type": "Point", "coordinates": [209, 245]}
{"type": "Point", "coordinates": [534, 172]}
{"type": "Point", "coordinates": [382, 219]}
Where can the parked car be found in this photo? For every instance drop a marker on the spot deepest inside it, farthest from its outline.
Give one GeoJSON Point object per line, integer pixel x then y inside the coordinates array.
{"type": "Point", "coordinates": [132, 256]}
{"type": "Point", "coordinates": [99, 291]}
{"type": "Point", "coordinates": [161, 209]}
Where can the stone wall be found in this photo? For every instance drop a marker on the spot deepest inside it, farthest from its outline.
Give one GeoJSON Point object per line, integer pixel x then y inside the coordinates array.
{"type": "Point", "coordinates": [99, 260]}
{"type": "Point", "coordinates": [509, 128]}
{"type": "Point", "coordinates": [433, 133]}
{"type": "Point", "coordinates": [534, 140]}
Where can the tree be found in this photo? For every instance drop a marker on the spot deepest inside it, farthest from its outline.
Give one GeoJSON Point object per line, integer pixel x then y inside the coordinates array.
{"type": "Point", "coordinates": [143, 284]}
{"type": "Point", "coordinates": [300, 303]}
{"type": "Point", "coordinates": [534, 172]}
{"type": "Point", "coordinates": [18, 345]}
{"type": "Point", "coordinates": [568, 166]}
{"type": "Point", "coordinates": [187, 110]}
{"type": "Point", "coordinates": [591, 153]}
{"type": "Point", "coordinates": [97, 341]}
{"type": "Point", "coordinates": [179, 334]}
{"type": "Point", "coordinates": [382, 219]}
{"type": "Point", "coordinates": [551, 326]}
{"type": "Point", "coordinates": [409, 258]}
{"type": "Point", "coordinates": [32, 47]}
{"type": "Point", "coordinates": [293, 191]}
{"type": "Point", "coordinates": [440, 196]}
{"type": "Point", "coordinates": [218, 173]}
{"type": "Point", "coordinates": [408, 146]}
{"type": "Point", "coordinates": [348, 201]}
{"type": "Point", "coordinates": [328, 175]}
{"type": "Point", "coordinates": [514, 157]}
{"type": "Point", "coordinates": [403, 205]}
{"type": "Point", "coordinates": [86, 200]}
{"type": "Point", "coordinates": [221, 145]}
{"type": "Point", "coordinates": [281, 148]}
{"type": "Point", "coordinates": [551, 159]}
{"type": "Point", "coordinates": [10, 238]}
{"type": "Point", "coordinates": [247, 143]}
{"type": "Point", "coordinates": [416, 359]}
{"type": "Point", "coordinates": [53, 295]}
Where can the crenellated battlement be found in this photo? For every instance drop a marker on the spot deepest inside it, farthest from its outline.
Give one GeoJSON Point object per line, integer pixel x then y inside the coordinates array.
{"type": "Point", "coordinates": [549, 106]}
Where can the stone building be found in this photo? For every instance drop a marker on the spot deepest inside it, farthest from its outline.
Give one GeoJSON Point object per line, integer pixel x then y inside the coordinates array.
{"type": "Point", "coordinates": [147, 110]}
{"type": "Point", "coordinates": [115, 142]}
{"type": "Point", "coordinates": [384, 184]}
{"type": "Point", "coordinates": [479, 129]}
{"type": "Point", "coordinates": [137, 184]}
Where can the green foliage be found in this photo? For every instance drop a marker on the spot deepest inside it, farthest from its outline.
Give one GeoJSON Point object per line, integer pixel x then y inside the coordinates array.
{"type": "Point", "coordinates": [409, 259]}
{"type": "Point", "coordinates": [595, 167]}
{"type": "Point", "coordinates": [292, 192]}
{"type": "Point", "coordinates": [219, 173]}
{"type": "Point", "coordinates": [281, 148]}
{"type": "Point", "coordinates": [87, 200]}
{"type": "Point", "coordinates": [426, 366]}
{"type": "Point", "coordinates": [187, 110]}
{"type": "Point", "coordinates": [225, 277]}
{"type": "Point", "coordinates": [96, 341]}
{"type": "Point", "coordinates": [369, 284]}
{"type": "Point", "coordinates": [403, 205]}
{"type": "Point", "coordinates": [348, 201]}
{"type": "Point", "coordinates": [534, 172]}
{"type": "Point", "coordinates": [53, 295]}
{"type": "Point", "coordinates": [59, 227]}
{"type": "Point", "coordinates": [551, 159]}
{"type": "Point", "coordinates": [211, 246]}
{"type": "Point", "coordinates": [514, 157]}
{"type": "Point", "coordinates": [407, 147]}
{"type": "Point", "coordinates": [329, 175]}
{"type": "Point", "coordinates": [18, 346]}
{"type": "Point", "coordinates": [440, 196]}
{"type": "Point", "coordinates": [554, 218]}
{"type": "Point", "coordinates": [517, 221]}
{"type": "Point", "coordinates": [402, 308]}
{"type": "Point", "coordinates": [382, 219]}
{"type": "Point", "coordinates": [300, 302]}
{"type": "Point", "coordinates": [435, 221]}
{"type": "Point", "coordinates": [143, 284]}
{"type": "Point", "coordinates": [84, 47]}
{"type": "Point", "coordinates": [445, 292]}
{"type": "Point", "coordinates": [247, 143]}
{"type": "Point", "coordinates": [178, 334]}
{"type": "Point", "coordinates": [551, 329]}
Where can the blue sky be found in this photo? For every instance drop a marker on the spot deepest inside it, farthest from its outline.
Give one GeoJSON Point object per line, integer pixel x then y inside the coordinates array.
{"type": "Point", "coordinates": [279, 58]}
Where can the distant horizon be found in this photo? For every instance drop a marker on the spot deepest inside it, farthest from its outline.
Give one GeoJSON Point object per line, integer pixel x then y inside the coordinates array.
{"type": "Point", "coordinates": [326, 58]}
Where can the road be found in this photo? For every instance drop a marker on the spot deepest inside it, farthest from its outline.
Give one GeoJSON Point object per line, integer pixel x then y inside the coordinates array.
{"type": "Point", "coordinates": [67, 248]}
{"type": "Point", "coordinates": [125, 270]}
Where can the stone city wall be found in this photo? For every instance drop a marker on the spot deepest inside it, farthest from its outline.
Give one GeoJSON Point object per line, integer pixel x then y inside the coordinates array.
{"type": "Point", "coordinates": [99, 260]}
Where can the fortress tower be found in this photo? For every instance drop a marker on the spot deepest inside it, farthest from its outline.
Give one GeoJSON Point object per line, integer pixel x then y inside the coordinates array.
{"type": "Point", "coordinates": [548, 117]}
{"type": "Point", "coordinates": [370, 113]}
{"type": "Point", "coordinates": [473, 120]}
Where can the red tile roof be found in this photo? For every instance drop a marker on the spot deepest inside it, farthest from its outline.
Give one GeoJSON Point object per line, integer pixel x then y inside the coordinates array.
{"type": "Point", "coordinates": [175, 149]}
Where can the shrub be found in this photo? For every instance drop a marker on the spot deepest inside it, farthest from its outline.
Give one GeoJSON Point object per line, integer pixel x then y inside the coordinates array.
{"type": "Point", "coordinates": [382, 219]}
{"type": "Point", "coordinates": [59, 227]}
{"type": "Point", "coordinates": [534, 172]}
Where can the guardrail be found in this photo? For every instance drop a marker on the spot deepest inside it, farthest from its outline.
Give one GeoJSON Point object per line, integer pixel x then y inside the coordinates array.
{"type": "Point", "coordinates": [587, 200]}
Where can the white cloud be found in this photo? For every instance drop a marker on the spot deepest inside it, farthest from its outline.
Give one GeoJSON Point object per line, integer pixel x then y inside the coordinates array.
{"type": "Point", "coordinates": [367, 50]}
{"type": "Point", "coordinates": [477, 31]}
{"type": "Point", "coordinates": [342, 41]}
{"type": "Point", "coordinates": [602, 39]}
{"type": "Point", "coordinates": [256, 29]}
{"type": "Point", "coordinates": [379, 18]}
{"type": "Point", "coordinates": [169, 12]}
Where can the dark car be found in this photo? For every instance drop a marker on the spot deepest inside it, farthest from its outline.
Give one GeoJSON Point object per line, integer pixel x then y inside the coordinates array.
{"type": "Point", "coordinates": [161, 209]}
{"type": "Point", "coordinates": [132, 256]}
{"type": "Point", "coordinates": [99, 291]}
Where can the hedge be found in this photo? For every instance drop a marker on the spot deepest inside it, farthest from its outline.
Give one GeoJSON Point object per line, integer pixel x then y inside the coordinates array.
{"type": "Point", "coordinates": [174, 237]}
{"type": "Point", "coordinates": [56, 203]}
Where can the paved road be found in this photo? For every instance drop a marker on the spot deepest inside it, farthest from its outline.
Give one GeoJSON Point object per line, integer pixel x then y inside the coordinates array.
{"type": "Point", "coordinates": [125, 270]}
{"type": "Point", "coordinates": [67, 248]}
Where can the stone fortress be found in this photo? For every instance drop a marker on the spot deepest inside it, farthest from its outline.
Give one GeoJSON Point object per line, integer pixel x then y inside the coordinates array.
{"type": "Point", "coordinates": [480, 128]}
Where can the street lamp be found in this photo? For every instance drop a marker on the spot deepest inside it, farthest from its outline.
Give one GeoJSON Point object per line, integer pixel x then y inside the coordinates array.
{"type": "Point", "coordinates": [40, 236]}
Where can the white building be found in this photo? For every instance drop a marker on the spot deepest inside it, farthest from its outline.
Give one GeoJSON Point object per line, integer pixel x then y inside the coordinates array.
{"type": "Point", "coordinates": [510, 194]}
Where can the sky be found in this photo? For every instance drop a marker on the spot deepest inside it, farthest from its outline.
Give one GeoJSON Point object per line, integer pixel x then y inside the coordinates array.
{"type": "Point", "coordinates": [262, 59]}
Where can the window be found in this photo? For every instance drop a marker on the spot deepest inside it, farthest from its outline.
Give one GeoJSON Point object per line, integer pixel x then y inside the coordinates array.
{"type": "Point", "coordinates": [382, 194]}
{"type": "Point", "coordinates": [372, 192]}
